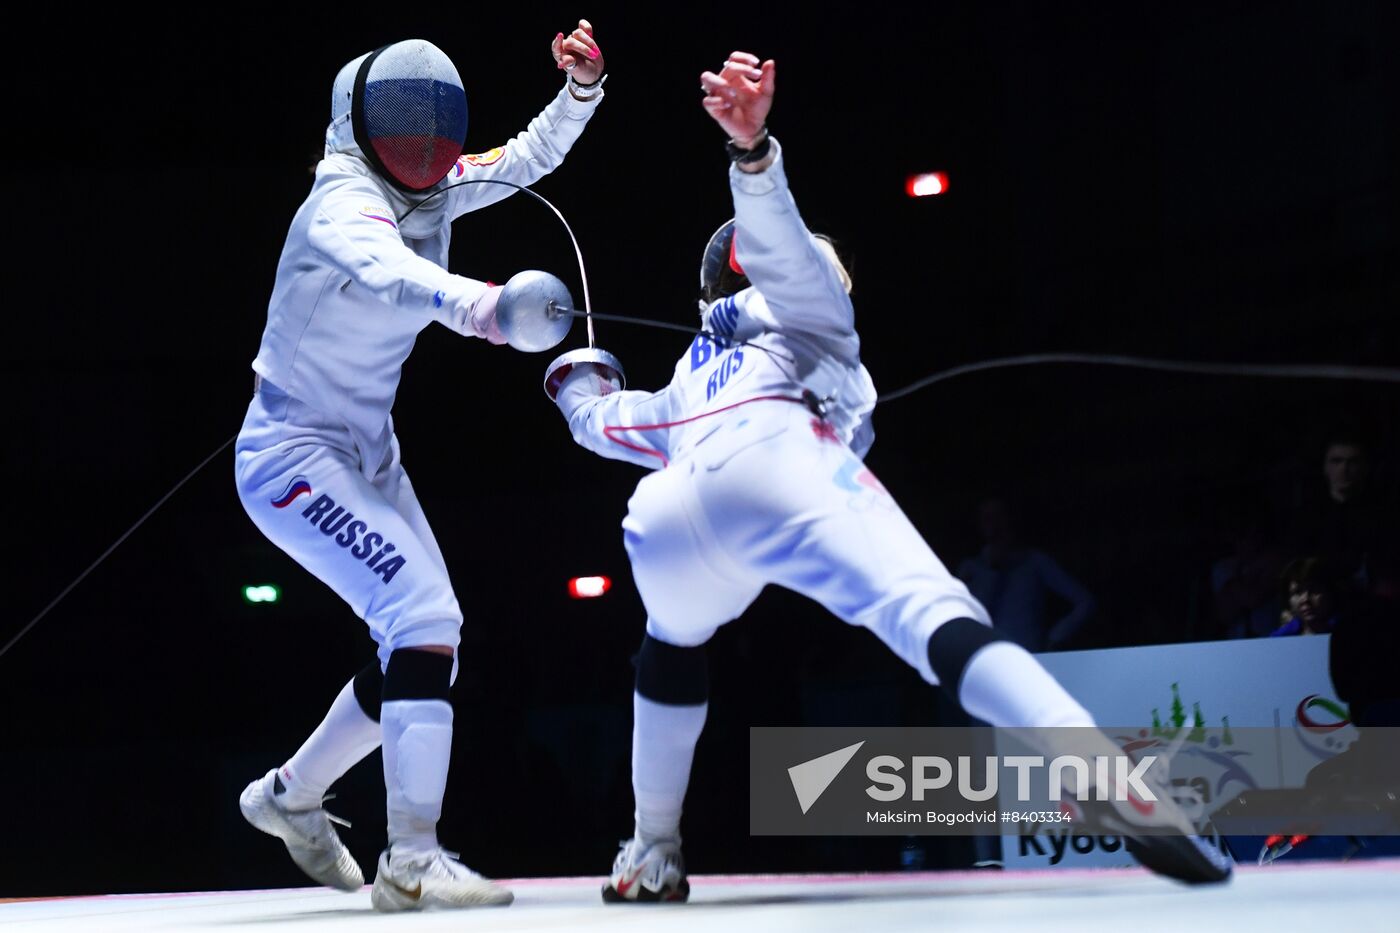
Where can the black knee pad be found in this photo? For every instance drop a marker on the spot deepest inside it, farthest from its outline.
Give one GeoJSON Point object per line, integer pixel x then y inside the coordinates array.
{"type": "Point", "coordinates": [952, 645]}
{"type": "Point", "coordinates": [369, 688]}
{"type": "Point", "coordinates": [417, 675]}
{"type": "Point", "coordinates": [672, 675]}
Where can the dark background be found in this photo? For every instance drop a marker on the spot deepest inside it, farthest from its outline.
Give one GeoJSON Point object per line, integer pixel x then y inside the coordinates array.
{"type": "Point", "coordinates": [1215, 182]}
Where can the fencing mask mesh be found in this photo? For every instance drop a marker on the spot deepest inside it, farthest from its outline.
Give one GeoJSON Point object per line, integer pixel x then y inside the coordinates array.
{"type": "Point", "coordinates": [408, 112]}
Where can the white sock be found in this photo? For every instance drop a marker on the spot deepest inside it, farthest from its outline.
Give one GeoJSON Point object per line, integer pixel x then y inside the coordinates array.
{"type": "Point", "coordinates": [663, 747]}
{"type": "Point", "coordinates": [344, 737]}
{"type": "Point", "coordinates": [1004, 685]}
{"type": "Point", "coordinates": [417, 752]}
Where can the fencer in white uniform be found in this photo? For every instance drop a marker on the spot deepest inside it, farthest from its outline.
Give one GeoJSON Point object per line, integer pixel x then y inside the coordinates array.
{"type": "Point", "coordinates": [317, 463]}
{"type": "Point", "coordinates": [756, 446]}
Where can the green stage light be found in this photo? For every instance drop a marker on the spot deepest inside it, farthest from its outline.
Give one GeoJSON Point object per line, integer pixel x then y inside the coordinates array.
{"type": "Point", "coordinates": [263, 593]}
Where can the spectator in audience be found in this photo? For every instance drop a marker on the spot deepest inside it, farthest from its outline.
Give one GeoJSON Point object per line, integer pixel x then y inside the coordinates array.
{"type": "Point", "coordinates": [1016, 582]}
{"type": "Point", "coordinates": [1347, 526]}
{"type": "Point", "coordinates": [1316, 594]}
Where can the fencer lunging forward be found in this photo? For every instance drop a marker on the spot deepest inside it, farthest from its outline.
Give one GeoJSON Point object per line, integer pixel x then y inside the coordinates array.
{"type": "Point", "coordinates": [318, 465]}
{"type": "Point", "coordinates": [758, 442]}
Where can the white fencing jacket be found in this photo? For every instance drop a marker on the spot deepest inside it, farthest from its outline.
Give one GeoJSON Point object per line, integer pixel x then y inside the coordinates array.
{"type": "Point", "coordinates": [357, 281]}
{"type": "Point", "coordinates": [793, 329]}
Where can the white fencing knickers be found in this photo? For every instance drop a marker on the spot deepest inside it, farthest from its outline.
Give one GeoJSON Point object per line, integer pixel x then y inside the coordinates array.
{"type": "Point", "coordinates": [772, 497]}
{"type": "Point", "coordinates": [348, 516]}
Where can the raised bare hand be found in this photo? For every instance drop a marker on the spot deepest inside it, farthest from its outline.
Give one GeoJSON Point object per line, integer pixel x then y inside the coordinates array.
{"type": "Point", "coordinates": [740, 96]}
{"type": "Point", "coordinates": [578, 54]}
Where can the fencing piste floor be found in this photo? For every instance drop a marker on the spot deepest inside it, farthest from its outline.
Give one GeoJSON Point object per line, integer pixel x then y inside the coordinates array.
{"type": "Point", "coordinates": [1359, 897]}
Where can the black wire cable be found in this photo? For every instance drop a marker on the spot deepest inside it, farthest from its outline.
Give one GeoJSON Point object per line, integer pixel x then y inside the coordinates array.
{"type": "Point", "coordinates": [115, 544]}
{"type": "Point", "coordinates": [1189, 367]}
{"type": "Point", "coordinates": [647, 322]}
{"type": "Point", "coordinates": [682, 328]}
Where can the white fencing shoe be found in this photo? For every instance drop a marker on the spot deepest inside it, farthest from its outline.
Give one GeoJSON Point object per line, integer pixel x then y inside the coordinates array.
{"type": "Point", "coordinates": [310, 838]}
{"type": "Point", "coordinates": [1158, 833]}
{"type": "Point", "coordinates": [647, 874]}
{"type": "Point", "coordinates": [424, 881]}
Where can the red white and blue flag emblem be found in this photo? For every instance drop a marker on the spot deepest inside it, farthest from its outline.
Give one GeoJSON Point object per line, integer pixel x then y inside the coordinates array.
{"type": "Point", "coordinates": [297, 487]}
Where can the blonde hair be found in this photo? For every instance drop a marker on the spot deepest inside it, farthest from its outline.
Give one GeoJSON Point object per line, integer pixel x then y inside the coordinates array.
{"type": "Point", "coordinates": [826, 246]}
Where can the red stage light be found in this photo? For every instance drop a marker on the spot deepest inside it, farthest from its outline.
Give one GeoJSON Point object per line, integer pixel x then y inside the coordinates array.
{"type": "Point", "coordinates": [926, 184]}
{"type": "Point", "coordinates": [589, 587]}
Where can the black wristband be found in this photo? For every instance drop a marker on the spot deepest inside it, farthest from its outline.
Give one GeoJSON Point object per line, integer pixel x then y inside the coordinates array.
{"type": "Point", "coordinates": [585, 92]}
{"type": "Point", "coordinates": [748, 156]}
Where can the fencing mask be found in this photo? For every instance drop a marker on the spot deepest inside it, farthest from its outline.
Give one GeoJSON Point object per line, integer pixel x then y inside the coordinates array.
{"type": "Point", "coordinates": [720, 272]}
{"type": "Point", "coordinates": [404, 107]}
{"type": "Point", "coordinates": [721, 275]}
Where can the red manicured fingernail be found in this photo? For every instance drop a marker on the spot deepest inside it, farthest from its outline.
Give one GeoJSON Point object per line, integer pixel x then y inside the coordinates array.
{"type": "Point", "coordinates": [559, 36]}
{"type": "Point", "coordinates": [593, 53]}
